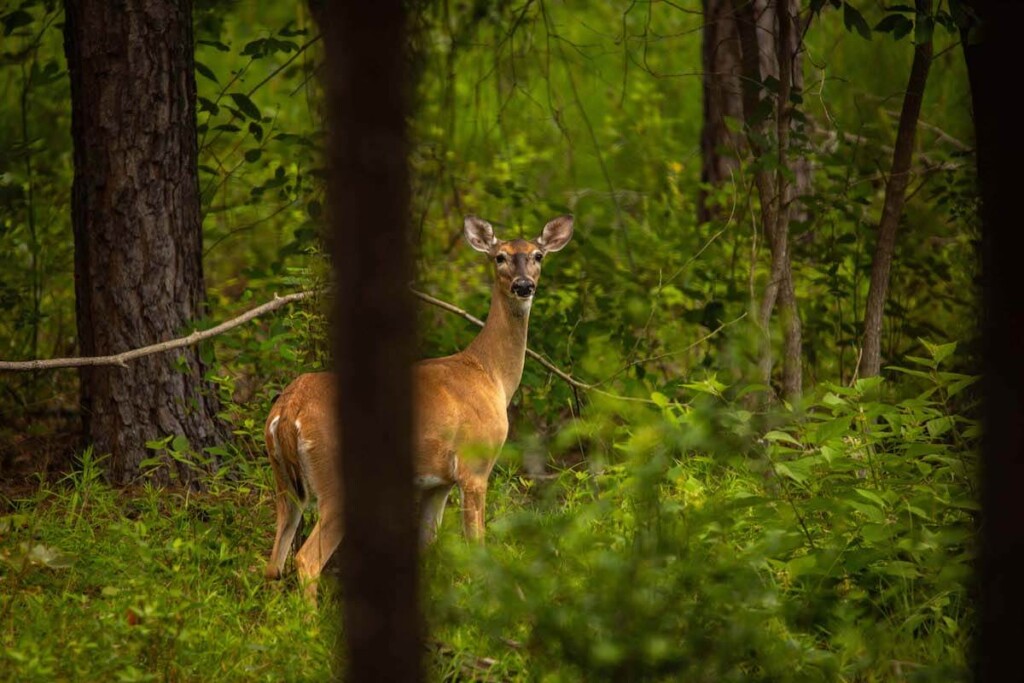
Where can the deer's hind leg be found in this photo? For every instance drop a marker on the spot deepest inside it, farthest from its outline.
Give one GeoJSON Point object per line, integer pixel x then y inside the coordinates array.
{"type": "Point", "coordinates": [290, 500]}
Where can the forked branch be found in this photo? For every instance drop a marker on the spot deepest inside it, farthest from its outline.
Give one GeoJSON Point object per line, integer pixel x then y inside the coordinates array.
{"type": "Point", "coordinates": [121, 359]}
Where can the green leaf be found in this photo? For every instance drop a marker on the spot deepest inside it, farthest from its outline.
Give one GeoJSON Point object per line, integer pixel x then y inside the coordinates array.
{"type": "Point", "coordinates": [867, 384]}
{"type": "Point", "coordinates": [832, 401]}
{"type": "Point", "coordinates": [897, 24]}
{"type": "Point", "coordinates": [205, 71]}
{"type": "Point", "coordinates": [939, 352]}
{"type": "Point", "coordinates": [939, 426]}
{"type": "Point", "coordinates": [876, 533]}
{"type": "Point", "coordinates": [215, 44]}
{"type": "Point", "coordinates": [826, 431]}
{"type": "Point", "coordinates": [157, 444]}
{"type": "Point", "coordinates": [290, 32]}
{"type": "Point", "coordinates": [711, 385]}
{"type": "Point", "coordinates": [15, 20]}
{"type": "Point", "coordinates": [206, 104]}
{"type": "Point", "coordinates": [872, 496]}
{"type": "Point", "coordinates": [775, 436]}
{"type": "Point", "coordinates": [958, 385]}
{"type": "Point", "coordinates": [908, 371]}
{"type": "Point", "coordinates": [854, 21]}
{"type": "Point", "coordinates": [246, 106]}
{"type": "Point", "coordinates": [254, 48]}
{"type": "Point", "coordinates": [900, 568]}
{"type": "Point", "coordinates": [801, 566]}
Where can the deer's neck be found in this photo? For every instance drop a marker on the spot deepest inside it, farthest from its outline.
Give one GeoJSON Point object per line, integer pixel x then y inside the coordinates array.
{"type": "Point", "coordinates": [501, 345]}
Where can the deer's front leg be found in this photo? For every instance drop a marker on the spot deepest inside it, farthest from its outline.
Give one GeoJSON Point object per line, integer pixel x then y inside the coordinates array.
{"type": "Point", "coordinates": [432, 502]}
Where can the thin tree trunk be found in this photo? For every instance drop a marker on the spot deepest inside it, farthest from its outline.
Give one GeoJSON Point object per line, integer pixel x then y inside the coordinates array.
{"type": "Point", "coordinates": [774, 189]}
{"type": "Point", "coordinates": [368, 93]}
{"type": "Point", "coordinates": [892, 208]}
{"type": "Point", "coordinates": [785, 50]}
{"type": "Point", "coordinates": [137, 227]}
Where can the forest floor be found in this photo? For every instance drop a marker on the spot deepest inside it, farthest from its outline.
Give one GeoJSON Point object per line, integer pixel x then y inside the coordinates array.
{"type": "Point", "coordinates": [837, 547]}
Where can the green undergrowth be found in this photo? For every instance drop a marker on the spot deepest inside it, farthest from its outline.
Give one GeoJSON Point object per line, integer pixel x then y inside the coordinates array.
{"type": "Point", "coordinates": [698, 541]}
{"type": "Point", "coordinates": [106, 585]}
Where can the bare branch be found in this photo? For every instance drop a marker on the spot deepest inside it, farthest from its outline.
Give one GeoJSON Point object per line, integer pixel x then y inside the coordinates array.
{"type": "Point", "coordinates": [122, 359]}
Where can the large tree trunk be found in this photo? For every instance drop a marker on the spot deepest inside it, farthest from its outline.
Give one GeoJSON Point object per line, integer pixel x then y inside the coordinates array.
{"type": "Point", "coordinates": [892, 208]}
{"type": "Point", "coordinates": [137, 229]}
{"type": "Point", "coordinates": [368, 95]}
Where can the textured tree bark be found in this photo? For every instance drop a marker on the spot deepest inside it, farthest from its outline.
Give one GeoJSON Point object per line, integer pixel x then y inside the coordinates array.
{"type": "Point", "coordinates": [775, 191]}
{"type": "Point", "coordinates": [368, 90]}
{"type": "Point", "coordinates": [721, 57]}
{"type": "Point", "coordinates": [723, 71]}
{"type": "Point", "coordinates": [892, 208]}
{"type": "Point", "coordinates": [137, 228]}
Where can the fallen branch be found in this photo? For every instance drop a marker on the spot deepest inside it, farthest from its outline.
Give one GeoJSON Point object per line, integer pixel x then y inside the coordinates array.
{"type": "Point", "coordinates": [121, 359]}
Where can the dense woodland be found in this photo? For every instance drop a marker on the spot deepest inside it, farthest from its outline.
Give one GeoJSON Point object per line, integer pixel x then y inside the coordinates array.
{"type": "Point", "coordinates": [746, 447]}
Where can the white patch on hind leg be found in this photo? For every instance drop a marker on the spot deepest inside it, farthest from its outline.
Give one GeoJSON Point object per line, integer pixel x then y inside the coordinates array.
{"type": "Point", "coordinates": [428, 481]}
{"type": "Point", "coordinates": [276, 445]}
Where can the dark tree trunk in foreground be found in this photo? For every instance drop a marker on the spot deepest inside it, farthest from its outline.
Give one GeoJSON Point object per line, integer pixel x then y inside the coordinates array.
{"type": "Point", "coordinates": [368, 92]}
{"type": "Point", "coordinates": [137, 227]}
{"type": "Point", "coordinates": [892, 208]}
{"type": "Point", "coordinates": [1000, 150]}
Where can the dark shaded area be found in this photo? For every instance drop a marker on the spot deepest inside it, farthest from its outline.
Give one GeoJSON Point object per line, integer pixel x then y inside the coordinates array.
{"type": "Point", "coordinates": [1001, 628]}
{"type": "Point", "coordinates": [367, 96]}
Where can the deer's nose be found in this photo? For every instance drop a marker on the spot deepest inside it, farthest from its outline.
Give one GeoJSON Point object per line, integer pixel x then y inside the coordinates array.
{"type": "Point", "coordinates": [523, 287]}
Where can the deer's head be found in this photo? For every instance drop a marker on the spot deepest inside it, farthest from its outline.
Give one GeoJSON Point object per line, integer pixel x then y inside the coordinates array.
{"type": "Point", "coordinates": [517, 262]}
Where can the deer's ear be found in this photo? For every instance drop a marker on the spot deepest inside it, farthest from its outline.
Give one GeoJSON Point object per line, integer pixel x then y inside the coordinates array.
{"type": "Point", "coordinates": [557, 234]}
{"type": "Point", "coordinates": [479, 234]}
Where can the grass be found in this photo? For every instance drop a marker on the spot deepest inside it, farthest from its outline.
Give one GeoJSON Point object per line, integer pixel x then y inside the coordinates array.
{"type": "Point", "coordinates": [146, 584]}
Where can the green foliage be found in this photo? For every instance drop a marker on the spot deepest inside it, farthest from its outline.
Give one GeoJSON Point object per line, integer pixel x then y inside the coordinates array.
{"type": "Point", "coordinates": [837, 546]}
{"type": "Point", "coordinates": [696, 545]}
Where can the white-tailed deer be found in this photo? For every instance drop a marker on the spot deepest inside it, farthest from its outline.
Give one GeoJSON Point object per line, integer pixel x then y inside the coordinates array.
{"type": "Point", "coordinates": [460, 406]}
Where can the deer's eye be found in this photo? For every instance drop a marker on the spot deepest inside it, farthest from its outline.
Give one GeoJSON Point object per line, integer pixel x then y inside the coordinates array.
{"type": "Point", "coordinates": [538, 257]}
{"type": "Point", "coordinates": [500, 259]}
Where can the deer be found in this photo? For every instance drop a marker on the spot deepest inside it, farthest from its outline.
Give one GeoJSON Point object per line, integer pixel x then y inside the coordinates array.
{"type": "Point", "coordinates": [460, 405]}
